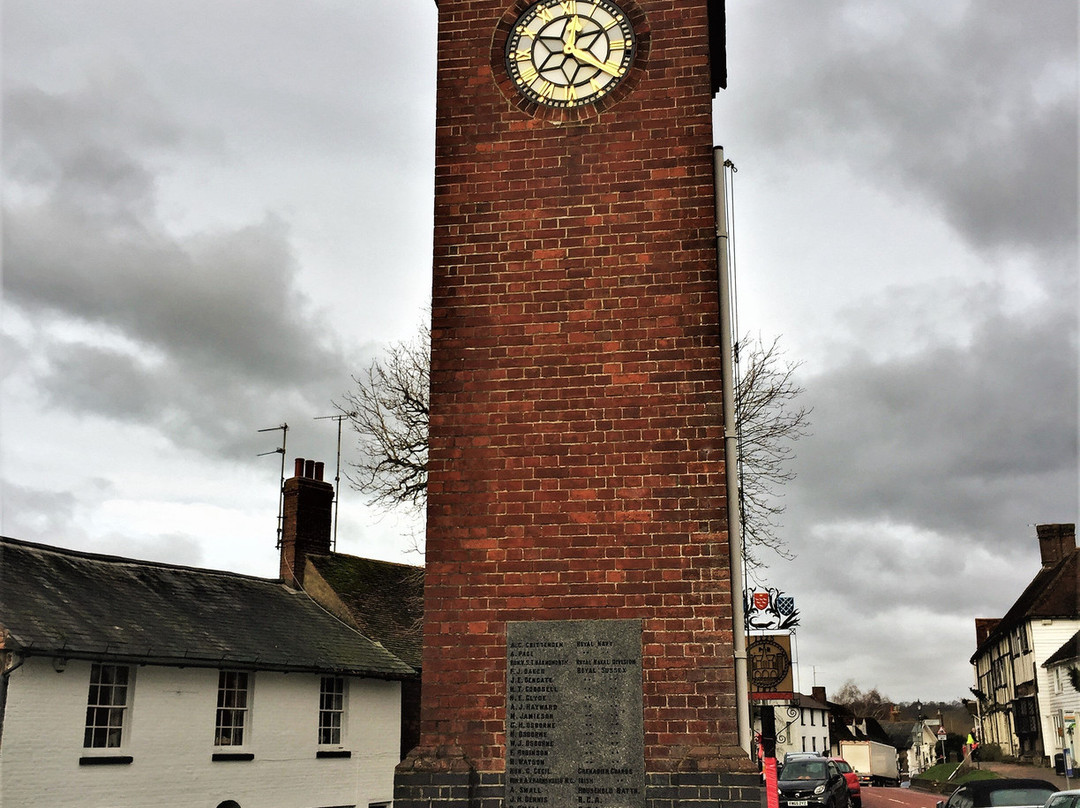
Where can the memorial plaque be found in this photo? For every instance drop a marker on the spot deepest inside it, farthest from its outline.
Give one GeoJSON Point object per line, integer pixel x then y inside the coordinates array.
{"type": "Point", "coordinates": [574, 719]}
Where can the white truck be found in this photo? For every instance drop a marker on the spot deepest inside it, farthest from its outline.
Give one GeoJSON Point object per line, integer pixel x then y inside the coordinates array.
{"type": "Point", "coordinates": [874, 762]}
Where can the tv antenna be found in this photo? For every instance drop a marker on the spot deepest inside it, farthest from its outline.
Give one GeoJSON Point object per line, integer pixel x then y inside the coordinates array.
{"type": "Point", "coordinates": [337, 473]}
{"type": "Point", "coordinates": [281, 488]}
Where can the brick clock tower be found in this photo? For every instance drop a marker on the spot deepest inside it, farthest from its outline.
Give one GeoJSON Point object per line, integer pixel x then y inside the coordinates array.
{"type": "Point", "coordinates": [578, 646]}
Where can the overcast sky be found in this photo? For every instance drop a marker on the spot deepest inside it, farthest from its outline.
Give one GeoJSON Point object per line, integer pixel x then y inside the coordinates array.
{"type": "Point", "coordinates": [215, 212]}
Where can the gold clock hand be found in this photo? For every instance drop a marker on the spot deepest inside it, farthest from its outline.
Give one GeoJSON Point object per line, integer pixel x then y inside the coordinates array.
{"type": "Point", "coordinates": [571, 41]}
{"type": "Point", "coordinates": [588, 58]}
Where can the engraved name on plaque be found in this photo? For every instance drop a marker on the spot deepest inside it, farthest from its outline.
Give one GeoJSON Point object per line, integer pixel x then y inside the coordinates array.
{"type": "Point", "coordinates": [574, 723]}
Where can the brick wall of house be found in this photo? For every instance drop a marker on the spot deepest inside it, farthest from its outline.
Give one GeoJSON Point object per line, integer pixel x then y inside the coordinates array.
{"type": "Point", "coordinates": [576, 445]}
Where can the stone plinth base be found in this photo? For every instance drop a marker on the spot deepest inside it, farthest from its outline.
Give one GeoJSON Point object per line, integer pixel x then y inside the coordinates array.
{"type": "Point", "coordinates": [442, 787]}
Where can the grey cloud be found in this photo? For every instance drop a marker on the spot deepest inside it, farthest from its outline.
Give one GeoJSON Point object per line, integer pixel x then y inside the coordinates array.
{"type": "Point", "coordinates": [894, 607]}
{"type": "Point", "coordinates": [170, 548]}
{"type": "Point", "coordinates": [976, 112]}
{"type": "Point", "coordinates": [904, 654]}
{"type": "Point", "coordinates": [201, 406]}
{"type": "Point", "coordinates": [38, 515]}
{"type": "Point", "coordinates": [12, 355]}
{"type": "Point", "coordinates": [230, 298]}
{"type": "Point", "coordinates": [877, 567]}
{"type": "Point", "coordinates": [952, 439]}
{"type": "Point", "coordinates": [303, 72]}
{"type": "Point", "coordinates": [219, 333]}
{"type": "Point", "coordinates": [106, 382]}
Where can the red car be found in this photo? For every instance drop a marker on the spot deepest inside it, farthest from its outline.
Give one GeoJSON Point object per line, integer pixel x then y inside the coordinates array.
{"type": "Point", "coordinates": [854, 791]}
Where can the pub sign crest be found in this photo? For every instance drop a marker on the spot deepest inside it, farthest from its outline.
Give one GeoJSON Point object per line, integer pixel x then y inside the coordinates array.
{"type": "Point", "coordinates": [769, 609]}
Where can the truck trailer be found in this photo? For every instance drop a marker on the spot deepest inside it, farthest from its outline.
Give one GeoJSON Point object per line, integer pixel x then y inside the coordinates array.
{"type": "Point", "coordinates": [874, 762]}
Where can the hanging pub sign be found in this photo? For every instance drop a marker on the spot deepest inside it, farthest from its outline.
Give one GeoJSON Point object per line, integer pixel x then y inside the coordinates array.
{"type": "Point", "coordinates": [770, 610]}
{"type": "Point", "coordinates": [768, 659]}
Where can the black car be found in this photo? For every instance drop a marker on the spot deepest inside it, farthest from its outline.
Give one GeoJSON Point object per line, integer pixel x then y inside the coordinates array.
{"type": "Point", "coordinates": [812, 782]}
{"type": "Point", "coordinates": [1004, 791]}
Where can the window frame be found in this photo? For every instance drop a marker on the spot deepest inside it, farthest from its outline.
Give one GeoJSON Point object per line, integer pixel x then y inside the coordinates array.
{"type": "Point", "coordinates": [327, 713]}
{"type": "Point", "coordinates": [228, 733]}
{"type": "Point", "coordinates": [116, 714]}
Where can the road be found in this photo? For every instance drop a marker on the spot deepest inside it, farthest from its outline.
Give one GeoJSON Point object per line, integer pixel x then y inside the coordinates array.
{"type": "Point", "coordinates": [898, 798]}
{"type": "Point", "coordinates": [890, 798]}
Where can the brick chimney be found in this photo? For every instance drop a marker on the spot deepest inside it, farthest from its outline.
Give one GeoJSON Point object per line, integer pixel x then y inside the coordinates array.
{"type": "Point", "coordinates": [1055, 542]}
{"type": "Point", "coordinates": [817, 692]}
{"type": "Point", "coordinates": [984, 627]}
{"type": "Point", "coordinates": [305, 529]}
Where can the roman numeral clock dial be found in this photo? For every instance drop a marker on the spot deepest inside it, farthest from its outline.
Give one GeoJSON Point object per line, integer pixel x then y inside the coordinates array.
{"type": "Point", "coordinates": [569, 53]}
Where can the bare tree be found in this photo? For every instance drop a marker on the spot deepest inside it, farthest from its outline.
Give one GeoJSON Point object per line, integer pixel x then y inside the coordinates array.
{"type": "Point", "coordinates": [769, 421]}
{"type": "Point", "coordinates": [868, 704]}
{"type": "Point", "coordinates": [388, 409]}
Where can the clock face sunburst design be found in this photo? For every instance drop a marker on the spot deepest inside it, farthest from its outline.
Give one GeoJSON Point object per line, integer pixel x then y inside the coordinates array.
{"type": "Point", "coordinates": [568, 53]}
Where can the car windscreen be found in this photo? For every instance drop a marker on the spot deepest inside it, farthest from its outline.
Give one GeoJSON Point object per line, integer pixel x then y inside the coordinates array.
{"type": "Point", "coordinates": [1020, 796]}
{"type": "Point", "coordinates": [804, 770]}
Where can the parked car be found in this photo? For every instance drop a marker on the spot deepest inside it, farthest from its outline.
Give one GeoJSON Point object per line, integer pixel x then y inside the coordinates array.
{"type": "Point", "coordinates": [852, 778]}
{"type": "Point", "coordinates": [812, 782]}
{"type": "Point", "coordinates": [795, 755]}
{"type": "Point", "coordinates": [1004, 791]}
{"type": "Point", "coordinates": [1064, 799]}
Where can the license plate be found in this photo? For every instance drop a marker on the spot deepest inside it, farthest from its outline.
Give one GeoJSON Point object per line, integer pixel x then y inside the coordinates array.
{"type": "Point", "coordinates": [798, 803]}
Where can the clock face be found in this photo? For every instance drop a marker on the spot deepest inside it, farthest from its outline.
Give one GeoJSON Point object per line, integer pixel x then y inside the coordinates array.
{"type": "Point", "coordinates": [567, 53]}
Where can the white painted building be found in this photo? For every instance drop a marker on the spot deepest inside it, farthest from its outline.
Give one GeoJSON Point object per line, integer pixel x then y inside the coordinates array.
{"type": "Point", "coordinates": [801, 726]}
{"type": "Point", "coordinates": [159, 743]}
{"type": "Point", "coordinates": [126, 683]}
{"type": "Point", "coordinates": [916, 744]}
{"type": "Point", "coordinates": [1016, 689]}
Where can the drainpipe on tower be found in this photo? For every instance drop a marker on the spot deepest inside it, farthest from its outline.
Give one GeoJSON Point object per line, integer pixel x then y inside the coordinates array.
{"type": "Point", "coordinates": [731, 458]}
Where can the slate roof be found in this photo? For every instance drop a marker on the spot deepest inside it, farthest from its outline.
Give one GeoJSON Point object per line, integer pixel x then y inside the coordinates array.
{"type": "Point", "coordinates": [386, 600]}
{"type": "Point", "coordinates": [1052, 593]}
{"type": "Point", "coordinates": [873, 731]}
{"type": "Point", "coordinates": [809, 702]}
{"type": "Point", "coordinates": [86, 606]}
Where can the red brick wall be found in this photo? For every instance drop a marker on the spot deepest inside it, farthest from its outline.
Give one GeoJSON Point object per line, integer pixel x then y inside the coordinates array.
{"type": "Point", "coordinates": [306, 519]}
{"type": "Point", "coordinates": [577, 457]}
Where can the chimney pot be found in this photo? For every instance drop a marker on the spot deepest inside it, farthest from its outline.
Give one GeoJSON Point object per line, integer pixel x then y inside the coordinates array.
{"type": "Point", "coordinates": [298, 467]}
{"type": "Point", "coordinates": [319, 466]}
{"type": "Point", "coordinates": [309, 469]}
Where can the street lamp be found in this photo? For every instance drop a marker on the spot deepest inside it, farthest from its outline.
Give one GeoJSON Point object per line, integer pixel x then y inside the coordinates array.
{"type": "Point", "coordinates": [924, 762]}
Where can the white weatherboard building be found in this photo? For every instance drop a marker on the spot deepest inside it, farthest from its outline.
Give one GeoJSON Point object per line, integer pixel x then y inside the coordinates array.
{"type": "Point", "coordinates": [126, 683]}
{"type": "Point", "coordinates": [1016, 691]}
{"type": "Point", "coordinates": [1063, 671]}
